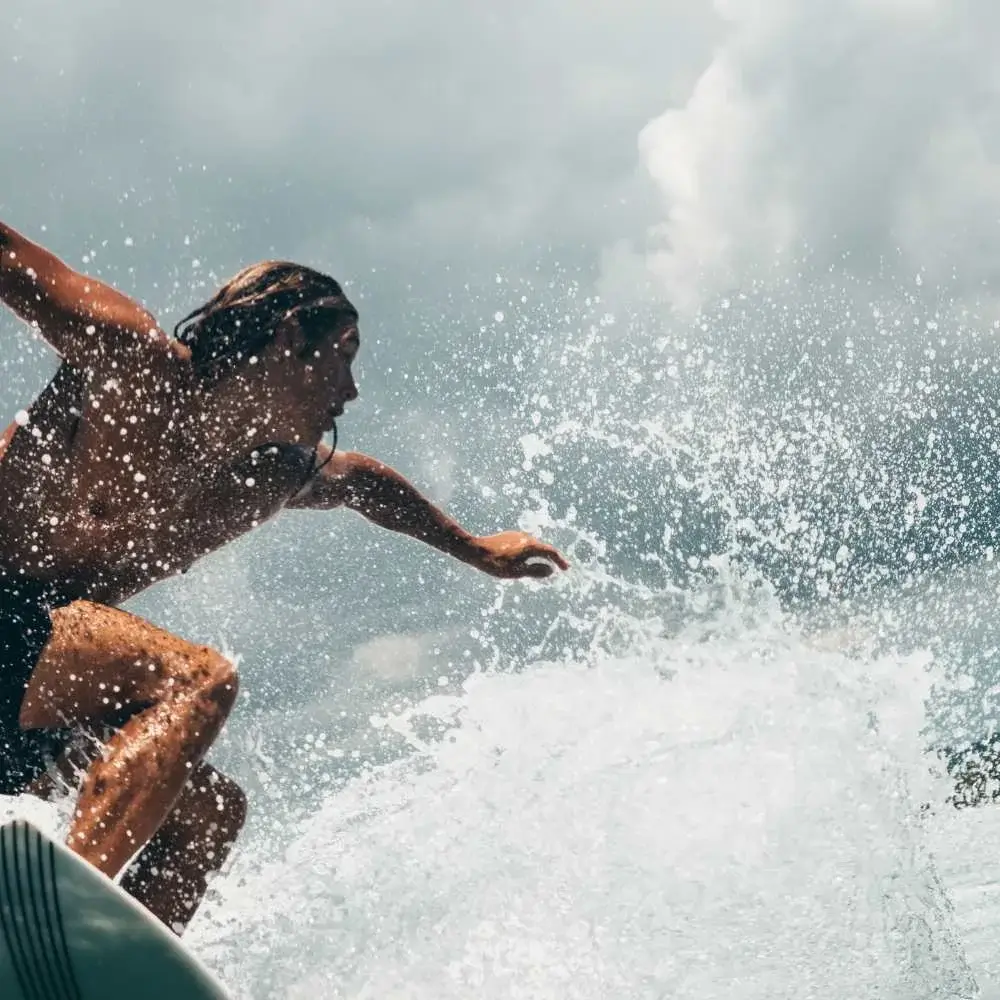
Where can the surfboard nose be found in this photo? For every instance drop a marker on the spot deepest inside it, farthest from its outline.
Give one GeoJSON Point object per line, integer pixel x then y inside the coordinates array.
{"type": "Point", "coordinates": [67, 932]}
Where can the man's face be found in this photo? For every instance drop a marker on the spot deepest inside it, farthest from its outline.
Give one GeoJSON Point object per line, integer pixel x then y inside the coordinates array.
{"type": "Point", "coordinates": [328, 366]}
{"type": "Point", "coordinates": [311, 379]}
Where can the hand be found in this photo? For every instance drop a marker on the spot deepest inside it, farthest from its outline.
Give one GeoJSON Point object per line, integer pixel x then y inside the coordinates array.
{"type": "Point", "coordinates": [511, 555]}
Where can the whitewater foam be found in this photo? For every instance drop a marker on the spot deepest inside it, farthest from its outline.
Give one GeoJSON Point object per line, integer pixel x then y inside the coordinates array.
{"type": "Point", "coordinates": [734, 815]}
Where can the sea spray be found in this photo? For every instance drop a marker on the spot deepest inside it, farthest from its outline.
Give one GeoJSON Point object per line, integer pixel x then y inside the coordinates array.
{"type": "Point", "coordinates": [728, 811]}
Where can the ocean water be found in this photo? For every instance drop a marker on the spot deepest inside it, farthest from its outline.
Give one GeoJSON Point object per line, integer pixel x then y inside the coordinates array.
{"type": "Point", "coordinates": [733, 809]}
{"type": "Point", "coordinates": [702, 764]}
{"type": "Point", "coordinates": [730, 811]}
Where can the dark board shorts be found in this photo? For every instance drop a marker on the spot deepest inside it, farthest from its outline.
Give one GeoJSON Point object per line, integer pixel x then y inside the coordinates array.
{"type": "Point", "coordinates": [25, 627]}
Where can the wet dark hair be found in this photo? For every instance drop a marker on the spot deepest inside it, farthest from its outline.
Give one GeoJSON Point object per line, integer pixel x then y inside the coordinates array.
{"type": "Point", "coordinates": [242, 317]}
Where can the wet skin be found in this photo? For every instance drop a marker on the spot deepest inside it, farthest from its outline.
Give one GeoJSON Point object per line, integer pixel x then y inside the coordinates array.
{"type": "Point", "coordinates": [131, 466]}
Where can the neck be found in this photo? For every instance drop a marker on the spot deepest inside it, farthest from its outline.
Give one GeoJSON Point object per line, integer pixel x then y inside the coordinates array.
{"type": "Point", "coordinates": [236, 414]}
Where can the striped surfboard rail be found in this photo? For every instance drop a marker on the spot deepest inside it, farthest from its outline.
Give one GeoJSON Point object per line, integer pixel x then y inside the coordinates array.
{"type": "Point", "coordinates": [67, 932]}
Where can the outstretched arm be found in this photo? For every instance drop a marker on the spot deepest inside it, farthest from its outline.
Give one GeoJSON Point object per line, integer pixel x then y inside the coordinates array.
{"type": "Point", "coordinates": [385, 498]}
{"type": "Point", "coordinates": [77, 315]}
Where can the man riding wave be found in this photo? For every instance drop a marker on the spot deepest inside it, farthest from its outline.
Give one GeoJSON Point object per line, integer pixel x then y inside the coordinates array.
{"type": "Point", "coordinates": [143, 453]}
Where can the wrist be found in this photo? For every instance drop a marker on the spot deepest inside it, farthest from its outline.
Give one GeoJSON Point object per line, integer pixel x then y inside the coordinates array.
{"type": "Point", "coordinates": [470, 549]}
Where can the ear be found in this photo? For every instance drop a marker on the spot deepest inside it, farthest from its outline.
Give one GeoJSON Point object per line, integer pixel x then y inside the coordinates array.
{"type": "Point", "coordinates": [289, 334]}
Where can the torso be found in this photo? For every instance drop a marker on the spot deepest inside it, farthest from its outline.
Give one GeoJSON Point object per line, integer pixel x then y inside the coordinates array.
{"type": "Point", "coordinates": [107, 488]}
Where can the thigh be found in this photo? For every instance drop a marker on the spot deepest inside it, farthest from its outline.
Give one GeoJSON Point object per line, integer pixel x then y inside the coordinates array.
{"type": "Point", "coordinates": [101, 664]}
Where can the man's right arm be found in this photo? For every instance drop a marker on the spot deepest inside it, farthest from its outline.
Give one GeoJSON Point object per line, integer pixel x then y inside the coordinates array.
{"type": "Point", "coordinates": [78, 316]}
{"type": "Point", "coordinates": [384, 497]}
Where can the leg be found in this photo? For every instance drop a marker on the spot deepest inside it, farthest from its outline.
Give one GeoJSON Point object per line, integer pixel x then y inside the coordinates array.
{"type": "Point", "coordinates": [171, 874]}
{"type": "Point", "coordinates": [101, 665]}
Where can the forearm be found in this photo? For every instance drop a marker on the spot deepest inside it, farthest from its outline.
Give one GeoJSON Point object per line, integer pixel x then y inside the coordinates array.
{"type": "Point", "coordinates": [387, 499]}
{"type": "Point", "coordinates": [10, 238]}
{"type": "Point", "coordinates": [384, 497]}
{"type": "Point", "coordinates": [40, 288]}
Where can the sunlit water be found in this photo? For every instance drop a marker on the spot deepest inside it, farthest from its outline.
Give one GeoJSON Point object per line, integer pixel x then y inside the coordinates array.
{"type": "Point", "coordinates": [699, 767]}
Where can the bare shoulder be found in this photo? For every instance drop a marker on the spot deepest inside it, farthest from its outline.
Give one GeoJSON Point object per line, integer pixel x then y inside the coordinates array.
{"type": "Point", "coordinates": [326, 485]}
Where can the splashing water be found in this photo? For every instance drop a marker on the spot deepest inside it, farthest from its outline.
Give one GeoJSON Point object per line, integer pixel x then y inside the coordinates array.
{"type": "Point", "coordinates": [699, 766]}
{"type": "Point", "coordinates": [733, 809]}
{"type": "Point", "coordinates": [680, 791]}
{"type": "Point", "coordinates": [727, 812]}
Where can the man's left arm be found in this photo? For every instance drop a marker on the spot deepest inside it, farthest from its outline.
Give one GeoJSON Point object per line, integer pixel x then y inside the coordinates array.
{"type": "Point", "coordinates": [387, 499]}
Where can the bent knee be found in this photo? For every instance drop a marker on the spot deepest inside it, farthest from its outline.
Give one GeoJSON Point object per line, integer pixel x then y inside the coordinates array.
{"type": "Point", "coordinates": [215, 677]}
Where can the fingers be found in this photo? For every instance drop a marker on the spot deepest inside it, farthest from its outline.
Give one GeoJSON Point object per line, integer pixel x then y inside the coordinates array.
{"type": "Point", "coordinates": [521, 568]}
{"type": "Point", "coordinates": [539, 570]}
{"type": "Point", "coordinates": [539, 561]}
{"type": "Point", "coordinates": [520, 555]}
{"type": "Point", "coordinates": [558, 558]}
{"type": "Point", "coordinates": [539, 550]}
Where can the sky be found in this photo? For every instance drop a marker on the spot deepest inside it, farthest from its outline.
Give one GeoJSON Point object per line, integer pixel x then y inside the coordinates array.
{"type": "Point", "coordinates": [864, 132]}
{"type": "Point", "coordinates": [477, 175]}
{"type": "Point", "coordinates": [387, 136]}
{"type": "Point", "coordinates": [412, 148]}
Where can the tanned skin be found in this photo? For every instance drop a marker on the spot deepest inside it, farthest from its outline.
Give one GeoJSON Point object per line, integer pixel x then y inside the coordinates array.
{"type": "Point", "coordinates": [131, 468]}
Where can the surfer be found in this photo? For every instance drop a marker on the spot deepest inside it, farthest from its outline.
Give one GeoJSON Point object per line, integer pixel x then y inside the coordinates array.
{"type": "Point", "coordinates": [145, 452]}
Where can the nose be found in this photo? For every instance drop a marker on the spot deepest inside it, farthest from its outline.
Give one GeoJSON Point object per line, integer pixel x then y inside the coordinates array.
{"type": "Point", "coordinates": [349, 390]}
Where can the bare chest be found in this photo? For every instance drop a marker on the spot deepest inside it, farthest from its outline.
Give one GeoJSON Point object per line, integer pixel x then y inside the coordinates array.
{"type": "Point", "coordinates": [107, 492]}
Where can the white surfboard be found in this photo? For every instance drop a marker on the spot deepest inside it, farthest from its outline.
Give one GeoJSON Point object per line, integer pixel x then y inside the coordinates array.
{"type": "Point", "coordinates": [67, 932]}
